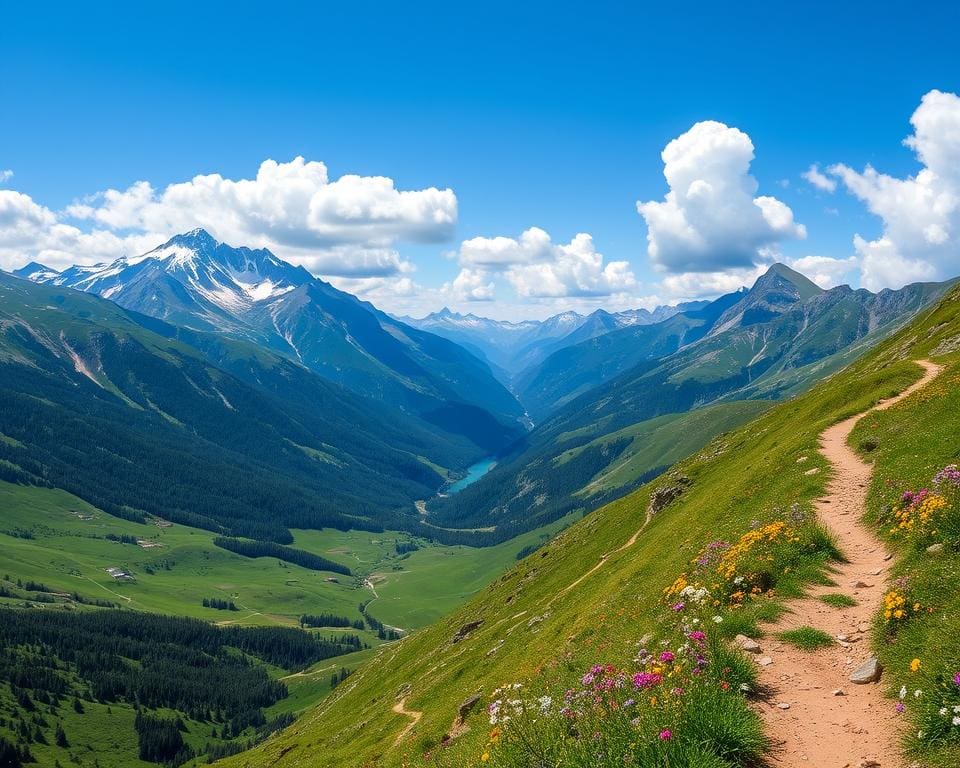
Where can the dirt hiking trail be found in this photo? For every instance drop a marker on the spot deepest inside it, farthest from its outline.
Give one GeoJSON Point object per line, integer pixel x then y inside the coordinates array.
{"type": "Point", "coordinates": [814, 714]}
{"type": "Point", "coordinates": [401, 709]}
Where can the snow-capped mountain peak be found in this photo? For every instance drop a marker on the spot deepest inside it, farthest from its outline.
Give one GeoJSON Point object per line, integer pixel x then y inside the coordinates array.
{"type": "Point", "coordinates": [231, 279]}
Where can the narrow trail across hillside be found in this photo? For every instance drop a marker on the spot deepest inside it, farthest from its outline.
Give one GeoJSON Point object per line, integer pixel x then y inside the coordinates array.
{"type": "Point", "coordinates": [831, 722]}
{"type": "Point", "coordinates": [401, 709]}
{"type": "Point", "coordinates": [603, 559]}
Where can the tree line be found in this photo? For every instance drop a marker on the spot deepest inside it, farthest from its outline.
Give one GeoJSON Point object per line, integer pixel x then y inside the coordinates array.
{"type": "Point", "coordinates": [280, 552]}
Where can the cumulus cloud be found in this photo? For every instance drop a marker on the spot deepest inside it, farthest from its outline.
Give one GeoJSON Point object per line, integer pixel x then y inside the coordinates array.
{"type": "Point", "coordinates": [699, 285]}
{"type": "Point", "coordinates": [920, 213]}
{"type": "Point", "coordinates": [825, 271]}
{"type": "Point", "coordinates": [819, 180]}
{"type": "Point", "coordinates": [29, 230]}
{"type": "Point", "coordinates": [471, 285]}
{"type": "Point", "coordinates": [711, 218]}
{"type": "Point", "coordinates": [346, 226]}
{"type": "Point", "coordinates": [536, 267]}
{"type": "Point", "coordinates": [5, 175]}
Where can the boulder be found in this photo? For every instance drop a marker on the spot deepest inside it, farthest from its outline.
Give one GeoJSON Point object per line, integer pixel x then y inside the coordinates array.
{"type": "Point", "coordinates": [868, 672]}
{"type": "Point", "coordinates": [465, 630]}
{"type": "Point", "coordinates": [467, 706]}
{"type": "Point", "coordinates": [747, 644]}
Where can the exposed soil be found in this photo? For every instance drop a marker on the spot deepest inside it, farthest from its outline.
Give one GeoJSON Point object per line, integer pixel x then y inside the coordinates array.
{"type": "Point", "coordinates": [401, 709]}
{"type": "Point", "coordinates": [859, 726]}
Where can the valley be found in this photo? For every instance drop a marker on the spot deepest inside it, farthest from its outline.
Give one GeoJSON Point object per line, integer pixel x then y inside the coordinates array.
{"type": "Point", "coordinates": [361, 526]}
{"type": "Point", "coordinates": [596, 593]}
{"type": "Point", "coordinates": [516, 385]}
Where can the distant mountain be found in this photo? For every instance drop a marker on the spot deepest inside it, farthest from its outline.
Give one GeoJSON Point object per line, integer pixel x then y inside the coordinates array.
{"type": "Point", "coordinates": [767, 343]}
{"type": "Point", "coordinates": [140, 417]}
{"type": "Point", "coordinates": [199, 283]}
{"type": "Point", "coordinates": [577, 367]}
{"type": "Point", "coordinates": [513, 346]}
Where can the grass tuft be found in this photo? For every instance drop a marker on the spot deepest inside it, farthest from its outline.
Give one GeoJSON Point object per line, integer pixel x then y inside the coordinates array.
{"type": "Point", "coordinates": [837, 600]}
{"type": "Point", "coordinates": [806, 638]}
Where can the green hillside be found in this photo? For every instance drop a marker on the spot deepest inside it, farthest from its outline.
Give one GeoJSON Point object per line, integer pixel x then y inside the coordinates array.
{"type": "Point", "coordinates": [769, 343]}
{"type": "Point", "coordinates": [56, 549]}
{"type": "Point", "coordinates": [591, 595]}
{"type": "Point", "coordinates": [141, 418]}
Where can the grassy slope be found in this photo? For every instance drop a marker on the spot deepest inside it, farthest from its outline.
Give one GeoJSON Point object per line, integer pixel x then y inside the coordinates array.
{"type": "Point", "coordinates": [529, 627]}
{"type": "Point", "coordinates": [662, 442]}
{"type": "Point", "coordinates": [70, 554]}
{"type": "Point", "coordinates": [912, 443]}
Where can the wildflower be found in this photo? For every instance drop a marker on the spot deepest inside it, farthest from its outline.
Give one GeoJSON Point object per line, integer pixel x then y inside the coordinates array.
{"type": "Point", "coordinates": [956, 679]}
{"type": "Point", "coordinates": [903, 691]}
{"type": "Point", "coordinates": [667, 657]}
{"type": "Point", "coordinates": [717, 619]}
{"type": "Point", "coordinates": [666, 734]}
{"type": "Point", "coordinates": [917, 693]}
{"type": "Point", "coordinates": [484, 757]}
{"type": "Point", "coordinates": [956, 720]}
{"type": "Point", "coordinates": [646, 679]}
{"type": "Point", "coordinates": [915, 665]}
{"type": "Point", "coordinates": [900, 706]}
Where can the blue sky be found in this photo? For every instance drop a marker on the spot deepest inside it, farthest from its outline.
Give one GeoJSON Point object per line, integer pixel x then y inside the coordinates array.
{"type": "Point", "coordinates": [549, 115]}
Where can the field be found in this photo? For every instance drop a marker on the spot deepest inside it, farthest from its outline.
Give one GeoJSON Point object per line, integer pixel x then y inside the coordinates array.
{"type": "Point", "coordinates": [51, 537]}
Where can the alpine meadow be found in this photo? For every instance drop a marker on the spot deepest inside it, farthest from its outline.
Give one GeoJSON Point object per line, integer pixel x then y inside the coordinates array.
{"type": "Point", "coordinates": [522, 386]}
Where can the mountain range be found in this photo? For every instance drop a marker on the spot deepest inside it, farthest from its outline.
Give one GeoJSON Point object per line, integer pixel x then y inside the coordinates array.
{"type": "Point", "coordinates": [198, 283]}
{"type": "Point", "coordinates": [613, 395]}
{"type": "Point", "coordinates": [512, 347]}
{"type": "Point", "coordinates": [762, 344]}
{"type": "Point", "coordinates": [143, 418]}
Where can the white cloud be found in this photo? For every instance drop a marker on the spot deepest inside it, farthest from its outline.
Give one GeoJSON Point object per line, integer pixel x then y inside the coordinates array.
{"type": "Point", "coordinates": [536, 267]}
{"type": "Point", "coordinates": [819, 180]}
{"type": "Point", "coordinates": [344, 227]}
{"type": "Point", "coordinates": [825, 271]}
{"type": "Point", "coordinates": [710, 219]}
{"type": "Point", "coordinates": [471, 285]}
{"type": "Point", "coordinates": [532, 245]}
{"type": "Point", "coordinates": [5, 175]}
{"type": "Point", "coordinates": [29, 230]}
{"type": "Point", "coordinates": [699, 285]}
{"type": "Point", "coordinates": [921, 213]}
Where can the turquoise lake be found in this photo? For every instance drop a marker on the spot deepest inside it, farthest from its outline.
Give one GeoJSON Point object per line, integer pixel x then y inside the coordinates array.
{"type": "Point", "coordinates": [474, 473]}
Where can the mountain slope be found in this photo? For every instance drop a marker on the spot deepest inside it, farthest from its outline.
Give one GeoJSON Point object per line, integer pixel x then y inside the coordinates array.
{"type": "Point", "coordinates": [589, 596]}
{"type": "Point", "coordinates": [578, 367]}
{"type": "Point", "coordinates": [199, 283]}
{"type": "Point", "coordinates": [803, 341]}
{"type": "Point", "coordinates": [140, 417]}
{"type": "Point", "coordinates": [740, 321]}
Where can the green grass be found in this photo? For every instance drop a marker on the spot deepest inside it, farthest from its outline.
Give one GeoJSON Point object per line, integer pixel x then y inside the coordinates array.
{"type": "Point", "coordinates": [54, 538]}
{"type": "Point", "coordinates": [541, 626]}
{"type": "Point", "coordinates": [806, 638]}
{"type": "Point", "coordinates": [662, 441]}
{"type": "Point", "coordinates": [837, 600]}
{"type": "Point", "coordinates": [67, 550]}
